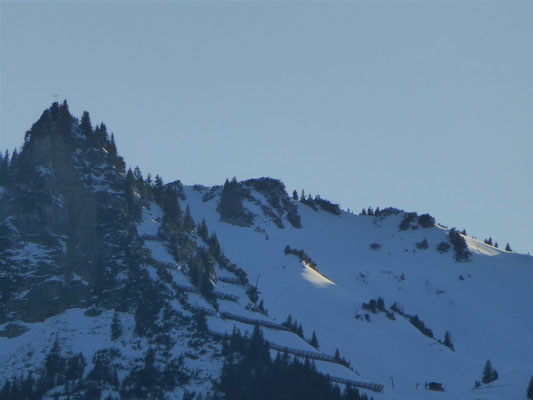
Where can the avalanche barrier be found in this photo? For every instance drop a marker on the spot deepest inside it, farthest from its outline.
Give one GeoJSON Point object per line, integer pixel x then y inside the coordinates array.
{"type": "Point", "coordinates": [375, 387]}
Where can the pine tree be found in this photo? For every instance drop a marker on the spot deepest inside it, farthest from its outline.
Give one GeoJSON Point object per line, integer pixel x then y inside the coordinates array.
{"type": "Point", "coordinates": [508, 247]}
{"type": "Point", "coordinates": [530, 390]}
{"type": "Point", "coordinates": [188, 221]}
{"type": "Point", "coordinates": [158, 190]}
{"type": "Point", "coordinates": [295, 195]}
{"type": "Point", "coordinates": [112, 148]}
{"type": "Point", "coordinates": [448, 340]}
{"type": "Point", "coordinates": [13, 164]}
{"type": "Point", "coordinates": [55, 365]}
{"type": "Point", "coordinates": [85, 124]}
{"type": "Point", "coordinates": [380, 305]}
{"type": "Point", "coordinates": [4, 168]}
{"type": "Point", "coordinates": [489, 373]}
{"type": "Point", "coordinates": [203, 231]}
{"type": "Point", "coordinates": [116, 327]}
{"type": "Point", "coordinates": [496, 244]}
{"type": "Point", "coordinates": [363, 212]}
{"type": "Point", "coordinates": [314, 341]}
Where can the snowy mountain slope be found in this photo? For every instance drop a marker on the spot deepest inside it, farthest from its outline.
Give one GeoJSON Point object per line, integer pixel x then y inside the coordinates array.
{"type": "Point", "coordinates": [117, 286]}
{"type": "Point", "coordinates": [488, 312]}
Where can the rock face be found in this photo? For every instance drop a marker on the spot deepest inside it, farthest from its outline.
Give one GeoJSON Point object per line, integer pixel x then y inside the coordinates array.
{"type": "Point", "coordinates": [59, 198]}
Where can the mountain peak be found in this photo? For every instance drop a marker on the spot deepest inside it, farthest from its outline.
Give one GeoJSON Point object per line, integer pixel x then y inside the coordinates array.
{"type": "Point", "coordinates": [116, 286]}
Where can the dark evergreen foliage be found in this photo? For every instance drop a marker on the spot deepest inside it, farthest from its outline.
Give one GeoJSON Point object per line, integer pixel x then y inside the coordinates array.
{"type": "Point", "coordinates": [4, 169]}
{"type": "Point", "coordinates": [508, 247]}
{"type": "Point", "coordinates": [203, 231]}
{"type": "Point", "coordinates": [529, 393]}
{"type": "Point", "coordinates": [327, 205]}
{"type": "Point", "coordinates": [250, 374]}
{"type": "Point", "coordinates": [489, 373]}
{"type": "Point", "coordinates": [407, 221]}
{"type": "Point", "coordinates": [314, 341]}
{"type": "Point", "coordinates": [85, 124]}
{"type": "Point", "coordinates": [459, 245]}
{"type": "Point", "coordinates": [188, 221]}
{"type": "Point", "coordinates": [116, 327]}
{"type": "Point", "coordinates": [230, 207]}
{"type": "Point", "coordinates": [448, 340]}
{"type": "Point", "coordinates": [302, 255]}
{"type": "Point", "coordinates": [419, 324]}
{"type": "Point", "coordinates": [443, 247]}
{"type": "Point", "coordinates": [426, 221]}
{"type": "Point", "coordinates": [422, 245]}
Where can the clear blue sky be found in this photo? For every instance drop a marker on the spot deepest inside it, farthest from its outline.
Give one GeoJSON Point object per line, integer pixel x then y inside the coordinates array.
{"type": "Point", "coordinates": [422, 106]}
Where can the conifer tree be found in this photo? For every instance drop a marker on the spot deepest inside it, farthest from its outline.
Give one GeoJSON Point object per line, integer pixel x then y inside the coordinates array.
{"type": "Point", "coordinates": [448, 340]}
{"type": "Point", "coordinates": [158, 190]}
{"type": "Point", "coordinates": [508, 247]}
{"type": "Point", "coordinates": [112, 148]}
{"type": "Point", "coordinates": [530, 390]}
{"type": "Point", "coordinates": [363, 211]}
{"type": "Point", "coordinates": [188, 221]}
{"type": "Point", "coordinates": [314, 341]}
{"type": "Point", "coordinates": [116, 327]}
{"type": "Point", "coordinates": [489, 373]}
{"type": "Point", "coordinates": [55, 365]}
{"type": "Point", "coordinates": [214, 246]}
{"type": "Point", "coordinates": [4, 168]}
{"type": "Point", "coordinates": [85, 124]}
{"type": "Point", "coordinates": [295, 195]}
{"type": "Point", "coordinates": [13, 164]}
{"type": "Point", "coordinates": [203, 231]}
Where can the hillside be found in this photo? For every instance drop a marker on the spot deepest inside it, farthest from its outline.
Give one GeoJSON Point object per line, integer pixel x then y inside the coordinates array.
{"type": "Point", "coordinates": [146, 285]}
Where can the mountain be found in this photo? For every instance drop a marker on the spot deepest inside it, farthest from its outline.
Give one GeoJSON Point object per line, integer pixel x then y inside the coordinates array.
{"type": "Point", "coordinates": [114, 285]}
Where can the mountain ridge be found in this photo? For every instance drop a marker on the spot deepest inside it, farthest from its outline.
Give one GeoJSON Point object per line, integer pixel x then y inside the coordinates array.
{"type": "Point", "coordinates": [182, 265]}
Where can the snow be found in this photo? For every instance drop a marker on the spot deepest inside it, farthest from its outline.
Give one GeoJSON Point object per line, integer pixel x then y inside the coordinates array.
{"type": "Point", "coordinates": [485, 304]}
{"type": "Point", "coordinates": [488, 313]}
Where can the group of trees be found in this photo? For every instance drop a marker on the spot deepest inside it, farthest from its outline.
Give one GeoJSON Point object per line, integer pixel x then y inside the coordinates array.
{"type": "Point", "coordinates": [316, 202]}
{"type": "Point", "coordinates": [295, 326]}
{"type": "Point", "coordinates": [421, 326]}
{"type": "Point", "coordinates": [495, 244]}
{"type": "Point", "coordinates": [56, 370]}
{"type": "Point", "coordinates": [5, 163]}
{"type": "Point", "coordinates": [370, 211]}
{"type": "Point", "coordinates": [460, 247]}
{"type": "Point", "coordinates": [67, 377]}
{"type": "Point", "coordinates": [230, 207]}
{"type": "Point", "coordinates": [249, 373]}
{"type": "Point", "coordinates": [302, 255]}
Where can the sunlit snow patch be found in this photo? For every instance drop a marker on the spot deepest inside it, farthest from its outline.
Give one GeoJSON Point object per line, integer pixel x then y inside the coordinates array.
{"type": "Point", "coordinates": [315, 277]}
{"type": "Point", "coordinates": [481, 248]}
